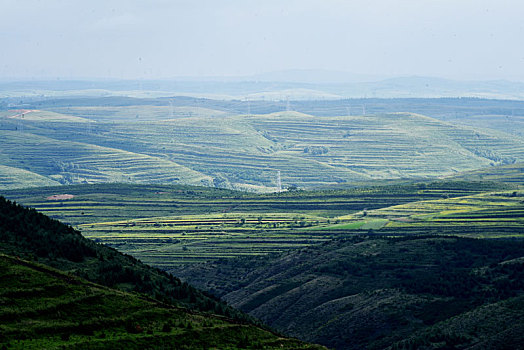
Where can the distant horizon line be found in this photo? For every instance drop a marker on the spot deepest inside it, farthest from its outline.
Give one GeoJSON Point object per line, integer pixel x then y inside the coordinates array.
{"type": "Point", "coordinates": [255, 78]}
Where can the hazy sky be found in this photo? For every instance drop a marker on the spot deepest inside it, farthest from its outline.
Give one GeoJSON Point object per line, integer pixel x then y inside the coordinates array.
{"type": "Point", "coordinates": [460, 39]}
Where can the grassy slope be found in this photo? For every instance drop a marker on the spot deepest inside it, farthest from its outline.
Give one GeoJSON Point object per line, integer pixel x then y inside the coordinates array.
{"type": "Point", "coordinates": [46, 308]}
{"type": "Point", "coordinates": [194, 145]}
{"type": "Point", "coordinates": [11, 177]}
{"type": "Point", "coordinates": [513, 173]}
{"type": "Point", "coordinates": [373, 292]}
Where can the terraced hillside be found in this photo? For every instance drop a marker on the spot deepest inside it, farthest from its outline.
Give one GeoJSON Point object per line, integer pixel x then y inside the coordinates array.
{"type": "Point", "coordinates": [486, 215]}
{"type": "Point", "coordinates": [75, 162]}
{"type": "Point", "coordinates": [12, 177]}
{"type": "Point", "coordinates": [195, 144]}
{"type": "Point", "coordinates": [171, 225]}
{"type": "Point", "coordinates": [46, 308]}
{"type": "Point", "coordinates": [513, 173]}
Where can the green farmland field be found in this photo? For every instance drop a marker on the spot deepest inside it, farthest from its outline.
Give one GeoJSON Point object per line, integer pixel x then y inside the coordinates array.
{"type": "Point", "coordinates": [486, 215]}
{"type": "Point", "coordinates": [174, 225]}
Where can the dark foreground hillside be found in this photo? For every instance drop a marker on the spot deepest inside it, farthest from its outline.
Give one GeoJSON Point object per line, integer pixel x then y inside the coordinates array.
{"type": "Point", "coordinates": [433, 292]}
{"type": "Point", "coordinates": [34, 236]}
{"type": "Point", "coordinates": [43, 308]}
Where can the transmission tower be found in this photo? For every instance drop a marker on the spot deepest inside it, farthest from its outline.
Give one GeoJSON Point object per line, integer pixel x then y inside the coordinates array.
{"type": "Point", "coordinates": [279, 182]}
{"type": "Point", "coordinates": [171, 112]}
{"type": "Point", "coordinates": [88, 127]}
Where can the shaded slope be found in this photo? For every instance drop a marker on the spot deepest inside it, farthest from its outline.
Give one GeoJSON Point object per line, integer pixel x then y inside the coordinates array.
{"type": "Point", "coordinates": [44, 308]}
{"type": "Point", "coordinates": [497, 325]}
{"type": "Point", "coordinates": [367, 292]}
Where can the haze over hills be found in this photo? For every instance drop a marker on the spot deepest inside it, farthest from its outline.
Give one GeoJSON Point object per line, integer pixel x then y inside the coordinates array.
{"type": "Point", "coordinates": [272, 86]}
{"type": "Point", "coordinates": [351, 228]}
{"type": "Point", "coordinates": [228, 174]}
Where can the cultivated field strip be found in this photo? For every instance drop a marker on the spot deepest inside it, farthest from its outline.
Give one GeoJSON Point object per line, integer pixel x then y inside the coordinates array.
{"type": "Point", "coordinates": [120, 202]}
{"type": "Point", "coordinates": [172, 225]}
{"type": "Point", "coordinates": [513, 173]}
{"type": "Point", "coordinates": [177, 240]}
{"type": "Point", "coordinates": [495, 214]}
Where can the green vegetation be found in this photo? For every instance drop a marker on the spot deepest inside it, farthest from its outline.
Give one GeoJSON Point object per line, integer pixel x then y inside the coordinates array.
{"type": "Point", "coordinates": [68, 162]}
{"type": "Point", "coordinates": [513, 173]}
{"type": "Point", "coordinates": [491, 326]}
{"type": "Point", "coordinates": [46, 308]}
{"type": "Point", "coordinates": [369, 259]}
{"type": "Point", "coordinates": [486, 215]}
{"type": "Point", "coordinates": [31, 235]}
{"type": "Point", "coordinates": [16, 178]}
{"type": "Point", "coordinates": [370, 292]}
{"type": "Point", "coordinates": [167, 226]}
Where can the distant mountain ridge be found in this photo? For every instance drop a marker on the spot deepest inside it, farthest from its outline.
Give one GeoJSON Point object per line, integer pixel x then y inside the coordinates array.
{"type": "Point", "coordinates": [329, 84]}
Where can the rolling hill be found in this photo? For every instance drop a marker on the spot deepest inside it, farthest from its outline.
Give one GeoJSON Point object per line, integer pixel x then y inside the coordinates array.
{"type": "Point", "coordinates": [513, 173]}
{"type": "Point", "coordinates": [347, 268]}
{"type": "Point", "coordinates": [212, 143]}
